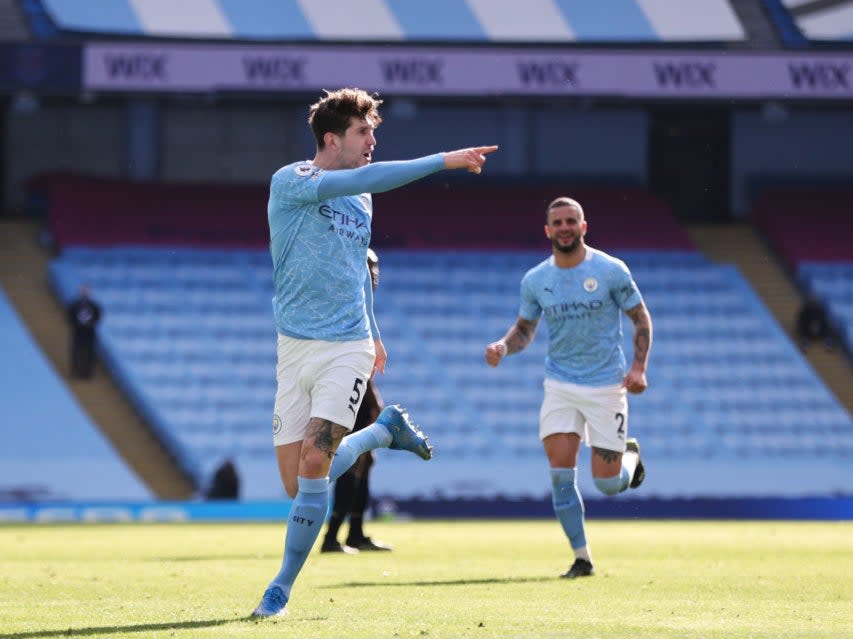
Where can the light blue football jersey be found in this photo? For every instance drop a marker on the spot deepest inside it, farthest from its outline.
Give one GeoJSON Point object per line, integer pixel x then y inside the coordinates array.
{"type": "Point", "coordinates": [319, 246]}
{"type": "Point", "coordinates": [583, 309]}
{"type": "Point", "coordinates": [319, 254]}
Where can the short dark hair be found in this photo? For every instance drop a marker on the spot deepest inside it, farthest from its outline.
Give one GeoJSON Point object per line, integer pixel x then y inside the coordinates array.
{"type": "Point", "coordinates": [563, 201]}
{"type": "Point", "coordinates": [332, 113]}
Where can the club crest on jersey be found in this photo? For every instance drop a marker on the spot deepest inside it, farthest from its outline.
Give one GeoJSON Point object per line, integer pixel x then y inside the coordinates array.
{"type": "Point", "coordinates": [276, 424]}
{"type": "Point", "coordinates": [590, 284]}
{"type": "Point", "coordinates": [303, 170]}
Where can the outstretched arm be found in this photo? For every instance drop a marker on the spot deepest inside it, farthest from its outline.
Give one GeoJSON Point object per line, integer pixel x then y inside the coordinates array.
{"type": "Point", "coordinates": [471, 159]}
{"type": "Point", "coordinates": [385, 176]}
{"type": "Point", "coordinates": [635, 381]}
{"type": "Point", "coordinates": [516, 339]}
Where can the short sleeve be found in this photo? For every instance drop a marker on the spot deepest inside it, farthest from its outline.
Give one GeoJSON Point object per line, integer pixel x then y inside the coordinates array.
{"type": "Point", "coordinates": [530, 308]}
{"type": "Point", "coordinates": [624, 289]}
{"type": "Point", "coordinates": [297, 183]}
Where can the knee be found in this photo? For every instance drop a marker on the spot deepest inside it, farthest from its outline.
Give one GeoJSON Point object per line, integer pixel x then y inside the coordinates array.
{"type": "Point", "coordinates": [609, 485]}
{"type": "Point", "coordinates": [314, 462]}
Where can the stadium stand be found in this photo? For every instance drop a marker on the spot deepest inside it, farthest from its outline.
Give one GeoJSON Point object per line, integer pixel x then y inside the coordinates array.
{"type": "Point", "coordinates": [543, 21]}
{"type": "Point", "coordinates": [51, 449]}
{"type": "Point", "coordinates": [832, 282]}
{"type": "Point", "coordinates": [810, 229]}
{"type": "Point", "coordinates": [806, 223]}
{"type": "Point", "coordinates": [190, 333]}
{"type": "Point", "coordinates": [83, 210]}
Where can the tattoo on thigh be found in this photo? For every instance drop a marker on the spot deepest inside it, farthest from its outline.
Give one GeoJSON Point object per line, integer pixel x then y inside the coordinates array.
{"type": "Point", "coordinates": [327, 435]}
{"type": "Point", "coordinates": [609, 456]}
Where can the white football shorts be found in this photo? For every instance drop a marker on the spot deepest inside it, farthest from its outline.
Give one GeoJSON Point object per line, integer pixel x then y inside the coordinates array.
{"type": "Point", "coordinates": [319, 379]}
{"type": "Point", "coordinates": [598, 414]}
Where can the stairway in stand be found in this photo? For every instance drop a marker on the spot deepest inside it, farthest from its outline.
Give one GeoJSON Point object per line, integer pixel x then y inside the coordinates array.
{"type": "Point", "coordinates": [23, 276]}
{"type": "Point", "coordinates": [741, 245]}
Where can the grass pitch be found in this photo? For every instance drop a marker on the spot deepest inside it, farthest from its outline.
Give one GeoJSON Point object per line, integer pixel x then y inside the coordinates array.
{"type": "Point", "coordinates": [444, 579]}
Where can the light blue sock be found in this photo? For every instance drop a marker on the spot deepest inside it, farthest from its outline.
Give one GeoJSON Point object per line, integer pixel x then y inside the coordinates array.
{"type": "Point", "coordinates": [613, 485]}
{"type": "Point", "coordinates": [307, 516]}
{"type": "Point", "coordinates": [355, 444]}
{"type": "Point", "coordinates": [568, 505]}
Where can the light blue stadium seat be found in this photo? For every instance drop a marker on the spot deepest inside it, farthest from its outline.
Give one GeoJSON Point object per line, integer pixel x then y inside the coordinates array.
{"type": "Point", "coordinates": [194, 335]}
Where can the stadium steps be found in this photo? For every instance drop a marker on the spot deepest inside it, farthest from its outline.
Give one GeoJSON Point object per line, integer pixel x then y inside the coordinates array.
{"type": "Point", "coordinates": [23, 275]}
{"type": "Point", "coordinates": [741, 245]}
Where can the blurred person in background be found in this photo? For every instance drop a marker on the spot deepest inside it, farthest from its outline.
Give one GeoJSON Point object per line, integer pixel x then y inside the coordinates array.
{"type": "Point", "coordinates": [352, 489]}
{"type": "Point", "coordinates": [226, 482]}
{"type": "Point", "coordinates": [320, 213]}
{"type": "Point", "coordinates": [83, 314]}
{"type": "Point", "coordinates": [582, 293]}
{"type": "Point", "coordinates": [813, 323]}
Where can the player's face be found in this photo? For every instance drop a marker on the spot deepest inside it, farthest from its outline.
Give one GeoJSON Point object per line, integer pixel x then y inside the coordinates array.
{"type": "Point", "coordinates": [357, 144]}
{"type": "Point", "coordinates": [566, 228]}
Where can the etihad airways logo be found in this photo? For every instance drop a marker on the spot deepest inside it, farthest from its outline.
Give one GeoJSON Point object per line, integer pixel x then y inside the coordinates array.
{"type": "Point", "coordinates": [572, 310]}
{"type": "Point", "coordinates": [347, 226]}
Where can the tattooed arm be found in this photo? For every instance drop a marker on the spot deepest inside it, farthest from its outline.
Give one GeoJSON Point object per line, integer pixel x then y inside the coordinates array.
{"type": "Point", "coordinates": [635, 381]}
{"type": "Point", "coordinates": [516, 339]}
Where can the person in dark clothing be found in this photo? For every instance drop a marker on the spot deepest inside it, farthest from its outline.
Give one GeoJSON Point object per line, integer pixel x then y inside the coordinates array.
{"type": "Point", "coordinates": [813, 323]}
{"type": "Point", "coordinates": [226, 482]}
{"type": "Point", "coordinates": [352, 492]}
{"type": "Point", "coordinates": [83, 314]}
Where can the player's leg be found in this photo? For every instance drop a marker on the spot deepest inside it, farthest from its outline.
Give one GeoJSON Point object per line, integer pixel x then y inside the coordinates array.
{"type": "Point", "coordinates": [344, 497]}
{"type": "Point", "coordinates": [292, 407]}
{"type": "Point", "coordinates": [616, 461]}
{"type": "Point", "coordinates": [356, 536]}
{"type": "Point", "coordinates": [560, 428]}
{"type": "Point", "coordinates": [316, 377]}
{"type": "Point", "coordinates": [307, 512]}
{"type": "Point", "coordinates": [348, 485]}
{"type": "Point", "coordinates": [392, 429]}
{"type": "Point", "coordinates": [360, 469]}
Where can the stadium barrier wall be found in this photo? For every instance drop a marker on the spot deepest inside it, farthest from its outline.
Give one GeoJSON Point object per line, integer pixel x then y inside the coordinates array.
{"type": "Point", "coordinates": [805, 508]}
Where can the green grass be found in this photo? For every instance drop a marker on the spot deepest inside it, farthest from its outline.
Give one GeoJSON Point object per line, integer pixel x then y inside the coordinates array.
{"type": "Point", "coordinates": [444, 579]}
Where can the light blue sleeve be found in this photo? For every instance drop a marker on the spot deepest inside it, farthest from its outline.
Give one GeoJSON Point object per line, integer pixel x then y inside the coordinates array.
{"type": "Point", "coordinates": [368, 303]}
{"type": "Point", "coordinates": [624, 290]}
{"type": "Point", "coordinates": [530, 308]}
{"type": "Point", "coordinates": [378, 177]}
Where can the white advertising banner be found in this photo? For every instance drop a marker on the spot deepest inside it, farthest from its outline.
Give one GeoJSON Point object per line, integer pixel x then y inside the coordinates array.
{"type": "Point", "coordinates": [467, 72]}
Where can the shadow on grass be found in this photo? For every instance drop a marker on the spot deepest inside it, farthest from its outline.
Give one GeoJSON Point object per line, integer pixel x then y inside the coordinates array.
{"type": "Point", "coordinates": [234, 557]}
{"type": "Point", "coordinates": [447, 582]}
{"type": "Point", "coordinates": [112, 631]}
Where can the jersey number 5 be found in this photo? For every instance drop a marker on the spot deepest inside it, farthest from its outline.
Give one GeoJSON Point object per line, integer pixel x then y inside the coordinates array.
{"type": "Point", "coordinates": [356, 395]}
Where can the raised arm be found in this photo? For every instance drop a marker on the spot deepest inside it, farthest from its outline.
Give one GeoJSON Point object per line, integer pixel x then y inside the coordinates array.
{"type": "Point", "coordinates": [635, 381]}
{"type": "Point", "coordinates": [516, 339]}
{"type": "Point", "coordinates": [385, 176]}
